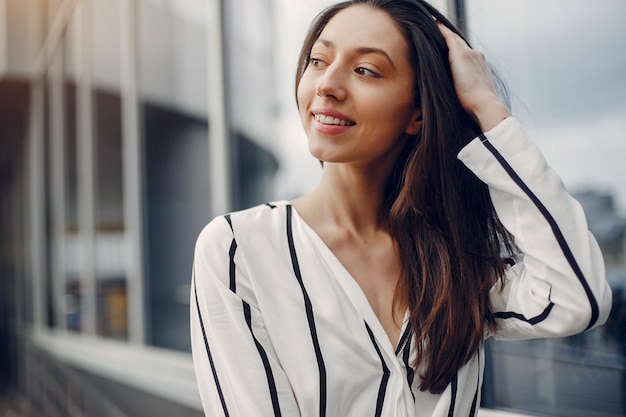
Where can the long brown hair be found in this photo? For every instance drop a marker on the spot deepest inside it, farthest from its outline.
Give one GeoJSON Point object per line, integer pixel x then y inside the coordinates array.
{"type": "Point", "coordinates": [449, 238]}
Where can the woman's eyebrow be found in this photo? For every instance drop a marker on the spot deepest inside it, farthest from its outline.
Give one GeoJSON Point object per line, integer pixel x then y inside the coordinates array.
{"type": "Point", "coordinates": [361, 50]}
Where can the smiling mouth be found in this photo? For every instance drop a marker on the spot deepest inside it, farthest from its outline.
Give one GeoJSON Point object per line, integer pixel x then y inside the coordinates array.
{"type": "Point", "coordinates": [330, 120]}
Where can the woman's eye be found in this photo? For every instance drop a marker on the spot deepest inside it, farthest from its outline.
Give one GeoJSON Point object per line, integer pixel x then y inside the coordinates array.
{"type": "Point", "coordinates": [366, 72]}
{"type": "Point", "coordinates": [316, 62]}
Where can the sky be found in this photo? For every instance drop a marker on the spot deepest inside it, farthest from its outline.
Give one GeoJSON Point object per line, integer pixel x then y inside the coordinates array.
{"type": "Point", "coordinates": [564, 63]}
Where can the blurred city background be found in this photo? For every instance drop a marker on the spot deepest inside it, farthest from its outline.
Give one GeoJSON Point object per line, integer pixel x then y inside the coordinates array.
{"type": "Point", "coordinates": [126, 125]}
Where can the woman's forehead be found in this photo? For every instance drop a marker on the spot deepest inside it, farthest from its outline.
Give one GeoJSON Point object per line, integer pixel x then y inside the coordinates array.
{"type": "Point", "coordinates": [362, 26]}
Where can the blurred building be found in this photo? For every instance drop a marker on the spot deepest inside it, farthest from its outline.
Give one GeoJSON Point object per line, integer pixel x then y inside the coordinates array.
{"type": "Point", "coordinates": [125, 125]}
{"type": "Point", "coordinates": [608, 227]}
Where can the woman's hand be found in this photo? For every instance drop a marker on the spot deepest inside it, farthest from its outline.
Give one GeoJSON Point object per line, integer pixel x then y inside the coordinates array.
{"type": "Point", "coordinates": [473, 82]}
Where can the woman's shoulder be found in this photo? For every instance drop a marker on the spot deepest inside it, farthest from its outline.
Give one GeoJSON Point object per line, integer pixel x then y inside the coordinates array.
{"type": "Point", "coordinates": [264, 219]}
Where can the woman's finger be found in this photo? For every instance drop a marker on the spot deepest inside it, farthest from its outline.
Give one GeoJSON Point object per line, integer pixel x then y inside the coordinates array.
{"type": "Point", "coordinates": [473, 80]}
{"type": "Point", "coordinates": [452, 39]}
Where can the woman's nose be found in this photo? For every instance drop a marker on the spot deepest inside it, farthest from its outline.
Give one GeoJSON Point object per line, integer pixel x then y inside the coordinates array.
{"type": "Point", "coordinates": [331, 84]}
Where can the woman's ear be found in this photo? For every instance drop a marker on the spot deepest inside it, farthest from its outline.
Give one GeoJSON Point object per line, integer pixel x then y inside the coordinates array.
{"type": "Point", "coordinates": [415, 123]}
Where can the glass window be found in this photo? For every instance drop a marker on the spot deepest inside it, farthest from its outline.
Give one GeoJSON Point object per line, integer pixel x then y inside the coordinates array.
{"type": "Point", "coordinates": [71, 304]}
{"type": "Point", "coordinates": [110, 244]}
{"type": "Point", "coordinates": [253, 101]}
{"type": "Point", "coordinates": [70, 293]}
{"type": "Point", "coordinates": [175, 133]}
{"type": "Point", "coordinates": [177, 207]}
{"type": "Point", "coordinates": [79, 298]}
{"type": "Point", "coordinates": [567, 85]}
{"type": "Point", "coordinates": [48, 284]}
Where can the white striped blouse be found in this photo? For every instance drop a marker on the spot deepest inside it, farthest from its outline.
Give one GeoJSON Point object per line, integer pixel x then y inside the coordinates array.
{"type": "Point", "coordinates": [280, 328]}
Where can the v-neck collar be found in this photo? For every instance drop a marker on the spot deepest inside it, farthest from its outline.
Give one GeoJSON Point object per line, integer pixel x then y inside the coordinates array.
{"type": "Point", "coordinates": [352, 289]}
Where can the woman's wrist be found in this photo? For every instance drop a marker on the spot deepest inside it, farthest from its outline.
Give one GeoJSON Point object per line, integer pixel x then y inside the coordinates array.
{"type": "Point", "coordinates": [490, 113]}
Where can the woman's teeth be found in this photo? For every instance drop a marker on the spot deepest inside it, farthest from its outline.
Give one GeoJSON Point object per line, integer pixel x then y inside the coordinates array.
{"type": "Point", "coordinates": [330, 120]}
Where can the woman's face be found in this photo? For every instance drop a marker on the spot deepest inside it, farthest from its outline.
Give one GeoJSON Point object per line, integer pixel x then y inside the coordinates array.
{"type": "Point", "coordinates": [356, 95]}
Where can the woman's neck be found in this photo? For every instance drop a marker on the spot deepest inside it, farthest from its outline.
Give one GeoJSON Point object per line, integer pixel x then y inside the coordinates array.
{"type": "Point", "coordinates": [348, 198]}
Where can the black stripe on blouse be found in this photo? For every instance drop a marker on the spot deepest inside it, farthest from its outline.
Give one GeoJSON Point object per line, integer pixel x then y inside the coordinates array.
{"type": "Point", "coordinates": [404, 346]}
{"type": "Point", "coordinates": [266, 363]}
{"type": "Point", "coordinates": [232, 266]}
{"type": "Point", "coordinates": [403, 339]}
{"type": "Point", "coordinates": [271, 384]}
{"type": "Point", "coordinates": [453, 389]}
{"type": "Point", "coordinates": [533, 320]}
{"type": "Point", "coordinates": [309, 313]}
{"type": "Point", "coordinates": [595, 311]}
{"type": "Point", "coordinates": [231, 254]}
{"type": "Point", "coordinates": [385, 378]}
{"type": "Point", "coordinates": [410, 373]}
{"type": "Point", "coordinates": [230, 222]}
{"type": "Point", "coordinates": [218, 386]}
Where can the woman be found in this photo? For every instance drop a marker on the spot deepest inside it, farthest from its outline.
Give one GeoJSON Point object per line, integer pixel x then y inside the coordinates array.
{"type": "Point", "coordinates": [373, 294]}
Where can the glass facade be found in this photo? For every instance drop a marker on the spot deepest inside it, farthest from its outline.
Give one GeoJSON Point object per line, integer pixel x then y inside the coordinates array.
{"type": "Point", "coordinates": [119, 155]}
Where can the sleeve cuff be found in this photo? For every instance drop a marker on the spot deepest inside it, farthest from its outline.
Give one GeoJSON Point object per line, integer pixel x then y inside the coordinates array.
{"type": "Point", "coordinates": [505, 128]}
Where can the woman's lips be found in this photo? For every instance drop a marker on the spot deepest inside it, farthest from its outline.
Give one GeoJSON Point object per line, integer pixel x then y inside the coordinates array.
{"type": "Point", "coordinates": [331, 121]}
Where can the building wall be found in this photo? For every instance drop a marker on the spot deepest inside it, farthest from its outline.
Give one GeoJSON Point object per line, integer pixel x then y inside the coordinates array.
{"type": "Point", "coordinates": [105, 140]}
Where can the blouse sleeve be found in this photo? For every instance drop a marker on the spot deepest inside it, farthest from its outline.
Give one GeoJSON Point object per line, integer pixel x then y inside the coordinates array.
{"type": "Point", "coordinates": [558, 287]}
{"type": "Point", "coordinates": [236, 368]}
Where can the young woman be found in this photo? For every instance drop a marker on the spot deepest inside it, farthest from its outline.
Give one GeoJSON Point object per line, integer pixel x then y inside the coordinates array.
{"type": "Point", "coordinates": [373, 294]}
